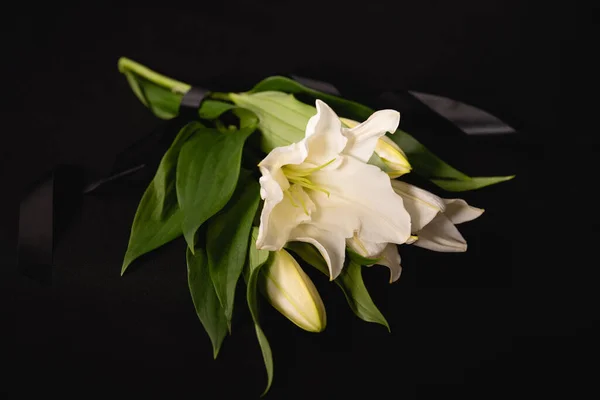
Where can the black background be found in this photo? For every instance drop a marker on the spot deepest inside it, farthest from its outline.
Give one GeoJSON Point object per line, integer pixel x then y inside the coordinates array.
{"type": "Point", "coordinates": [492, 321]}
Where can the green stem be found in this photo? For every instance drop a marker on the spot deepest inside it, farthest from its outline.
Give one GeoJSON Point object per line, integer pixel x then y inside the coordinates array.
{"type": "Point", "coordinates": [221, 96]}
{"type": "Point", "coordinates": [127, 65]}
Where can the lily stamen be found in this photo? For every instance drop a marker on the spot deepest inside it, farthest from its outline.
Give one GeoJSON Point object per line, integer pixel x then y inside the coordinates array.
{"type": "Point", "coordinates": [293, 170]}
{"type": "Point", "coordinates": [300, 176]}
{"type": "Point", "coordinates": [290, 197]}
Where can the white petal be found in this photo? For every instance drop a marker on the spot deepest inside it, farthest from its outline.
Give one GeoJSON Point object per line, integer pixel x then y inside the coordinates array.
{"type": "Point", "coordinates": [361, 200]}
{"type": "Point", "coordinates": [390, 258]}
{"type": "Point", "coordinates": [365, 248]}
{"type": "Point", "coordinates": [420, 204]}
{"type": "Point", "coordinates": [441, 235]}
{"type": "Point", "coordinates": [293, 154]}
{"type": "Point", "coordinates": [362, 139]}
{"type": "Point", "coordinates": [458, 211]}
{"type": "Point", "coordinates": [324, 135]}
{"type": "Point", "coordinates": [271, 188]}
{"type": "Point", "coordinates": [272, 194]}
{"type": "Point", "coordinates": [280, 215]}
{"type": "Point", "coordinates": [331, 245]}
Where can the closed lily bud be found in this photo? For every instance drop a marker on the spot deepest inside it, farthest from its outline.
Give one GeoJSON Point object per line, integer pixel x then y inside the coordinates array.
{"type": "Point", "coordinates": [393, 159]}
{"type": "Point", "coordinates": [292, 293]}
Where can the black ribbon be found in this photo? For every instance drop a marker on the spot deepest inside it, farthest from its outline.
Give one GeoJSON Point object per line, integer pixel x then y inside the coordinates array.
{"type": "Point", "coordinates": [192, 100]}
{"type": "Point", "coordinates": [44, 214]}
{"type": "Point", "coordinates": [467, 118]}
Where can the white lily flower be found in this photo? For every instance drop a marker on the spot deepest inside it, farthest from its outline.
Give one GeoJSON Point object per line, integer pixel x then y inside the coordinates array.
{"type": "Point", "coordinates": [322, 191]}
{"type": "Point", "coordinates": [434, 219]}
{"type": "Point", "coordinates": [292, 293]}
{"type": "Point", "coordinates": [433, 222]}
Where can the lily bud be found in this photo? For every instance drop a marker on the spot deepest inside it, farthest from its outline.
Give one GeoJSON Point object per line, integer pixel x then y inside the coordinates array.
{"type": "Point", "coordinates": [292, 293]}
{"type": "Point", "coordinates": [393, 159]}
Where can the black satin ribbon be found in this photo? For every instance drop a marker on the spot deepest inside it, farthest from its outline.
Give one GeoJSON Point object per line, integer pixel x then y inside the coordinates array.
{"type": "Point", "coordinates": [192, 100]}
{"type": "Point", "coordinates": [314, 84]}
{"type": "Point", "coordinates": [44, 214]}
{"type": "Point", "coordinates": [36, 230]}
{"type": "Point", "coordinates": [468, 119]}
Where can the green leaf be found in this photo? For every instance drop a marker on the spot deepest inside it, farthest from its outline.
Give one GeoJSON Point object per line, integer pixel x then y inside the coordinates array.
{"type": "Point", "coordinates": [358, 297]}
{"type": "Point", "coordinates": [227, 239]}
{"type": "Point", "coordinates": [158, 218]}
{"type": "Point", "coordinates": [430, 166]}
{"type": "Point", "coordinates": [423, 161]}
{"type": "Point", "coordinates": [266, 352]}
{"type": "Point", "coordinates": [204, 296]}
{"type": "Point", "coordinates": [207, 172]}
{"type": "Point", "coordinates": [213, 109]}
{"type": "Point", "coordinates": [247, 117]}
{"type": "Point", "coordinates": [309, 254]}
{"type": "Point", "coordinates": [282, 118]}
{"type": "Point", "coordinates": [471, 183]}
{"type": "Point", "coordinates": [162, 95]}
{"type": "Point", "coordinates": [350, 281]}
{"type": "Point", "coordinates": [344, 107]}
{"type": "Point", "coordinates": [256, 259]}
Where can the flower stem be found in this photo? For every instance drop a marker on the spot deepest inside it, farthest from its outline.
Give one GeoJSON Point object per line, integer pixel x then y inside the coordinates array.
{"type": "Point", "coordinates": [221, 96]}
{"type": "Point", "coordinates": [129, 66]}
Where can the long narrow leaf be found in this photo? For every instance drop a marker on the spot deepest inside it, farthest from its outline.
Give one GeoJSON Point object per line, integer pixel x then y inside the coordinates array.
{"type": "Point", "coordinates": [256, 259]}
{"type": "Point", "coordinates": [471, 183]}
{"type": "Point", "coordinates": [204, 296]}
{"type": "Point", "coordinates": [158, 218]}
{"type": "Point", "coordinates": [207, 172]}
{"type": "Point", "coordinates": [227, 240]}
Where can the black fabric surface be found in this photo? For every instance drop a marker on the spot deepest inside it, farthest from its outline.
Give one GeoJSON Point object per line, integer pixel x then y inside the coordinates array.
{"type": "Point", "coordinates": [491, 322]}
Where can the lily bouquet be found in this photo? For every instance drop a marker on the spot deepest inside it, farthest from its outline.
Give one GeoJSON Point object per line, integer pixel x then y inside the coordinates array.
{"type": "Point", "coordinates": [259, 180]}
